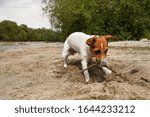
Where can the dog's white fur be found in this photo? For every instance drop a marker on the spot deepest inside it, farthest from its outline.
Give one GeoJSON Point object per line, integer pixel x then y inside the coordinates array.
{"type": "Point", "coordinates": [76, 42]}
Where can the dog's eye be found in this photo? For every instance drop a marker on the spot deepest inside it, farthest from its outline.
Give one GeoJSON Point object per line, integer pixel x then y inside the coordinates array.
{"type": "Point", "coordinates": [106, 51]}
{"type": "Point", "coordinates": [97, 52]}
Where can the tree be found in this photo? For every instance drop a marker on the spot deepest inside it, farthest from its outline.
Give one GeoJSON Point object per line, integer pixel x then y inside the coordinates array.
{"type": "Point", "coordinates": [22, 36]}
{"type": "Point", "coordinates": [10, 31]}
{"type": "Point", "coordinates": [128, 19]}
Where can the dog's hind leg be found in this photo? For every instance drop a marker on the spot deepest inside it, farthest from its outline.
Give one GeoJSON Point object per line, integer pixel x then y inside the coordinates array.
{"type": "Point", "coordinates": [65, 53]}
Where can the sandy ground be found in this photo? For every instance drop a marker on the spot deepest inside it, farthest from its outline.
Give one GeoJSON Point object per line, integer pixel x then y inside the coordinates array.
{"type": "Point", "coordinates": [35, 71]}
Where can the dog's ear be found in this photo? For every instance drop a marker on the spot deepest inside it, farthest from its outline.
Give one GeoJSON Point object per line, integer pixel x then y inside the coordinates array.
{"type": "Point", "coordinates": [91, 41]}
{"type": "Point", "coordinates": [107, 37]}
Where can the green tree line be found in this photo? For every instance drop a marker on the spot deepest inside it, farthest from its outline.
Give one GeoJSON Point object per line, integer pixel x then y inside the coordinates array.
{"type": "Point", "coordinates": [127, 19]}
{"type": "Point", "coordinates": [10, 31]}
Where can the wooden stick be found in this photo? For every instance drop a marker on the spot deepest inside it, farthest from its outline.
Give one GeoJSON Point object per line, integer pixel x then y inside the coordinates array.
{"type": "Point", "coordinates": [89, 67]}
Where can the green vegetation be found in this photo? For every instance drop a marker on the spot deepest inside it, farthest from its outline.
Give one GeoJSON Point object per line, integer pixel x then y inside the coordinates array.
{"type": "Point", "coordinates": [127, 19]}
{"type": "Point", "coordinates": [10, 31]}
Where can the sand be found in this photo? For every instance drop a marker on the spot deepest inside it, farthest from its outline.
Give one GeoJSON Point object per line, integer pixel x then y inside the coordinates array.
{"type": "Point", "coordinates": [36, 72]}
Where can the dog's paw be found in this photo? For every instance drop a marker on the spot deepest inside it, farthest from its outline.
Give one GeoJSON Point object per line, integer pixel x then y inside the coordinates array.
{"type": "Point", "coordinates": [106, 70]}
{"type": "Point", "coordinates": [88, 81]}
{"type": "Point", "coordinates": [65, 65]}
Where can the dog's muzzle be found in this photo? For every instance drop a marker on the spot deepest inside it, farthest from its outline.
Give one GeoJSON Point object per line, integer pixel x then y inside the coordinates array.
{"type": "Point", "coordinates": [102, 63]}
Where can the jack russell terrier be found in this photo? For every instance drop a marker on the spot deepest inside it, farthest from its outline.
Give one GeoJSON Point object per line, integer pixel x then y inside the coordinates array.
{"type": "Point", "coordinates": [87, 46]}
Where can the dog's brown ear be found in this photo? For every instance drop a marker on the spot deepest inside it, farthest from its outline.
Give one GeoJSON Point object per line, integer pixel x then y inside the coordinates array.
{"type": "Point", "coordinates": [91, 41]}
{"type": "Point", "coordinates": [107, 37]}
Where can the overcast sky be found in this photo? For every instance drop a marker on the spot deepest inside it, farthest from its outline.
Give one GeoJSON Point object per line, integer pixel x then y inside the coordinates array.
{"type": "Point", "coordinates": [23, 12]}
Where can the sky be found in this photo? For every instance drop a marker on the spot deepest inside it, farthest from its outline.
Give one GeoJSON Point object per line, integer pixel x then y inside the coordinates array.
{"type": "Point", "coordinates": [24, 12]}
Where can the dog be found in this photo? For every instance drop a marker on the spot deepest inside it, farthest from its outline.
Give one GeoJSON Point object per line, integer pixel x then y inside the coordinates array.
{"type": "Point", "coordinates": [88, 46]}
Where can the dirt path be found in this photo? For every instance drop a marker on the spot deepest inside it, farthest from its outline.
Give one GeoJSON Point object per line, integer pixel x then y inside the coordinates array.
{"type": "Point", "coordinates": [38, 73]}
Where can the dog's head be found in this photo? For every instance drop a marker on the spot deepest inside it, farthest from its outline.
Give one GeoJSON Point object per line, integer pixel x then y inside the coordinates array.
{"type": "Point", "coordinates": [99, 47]}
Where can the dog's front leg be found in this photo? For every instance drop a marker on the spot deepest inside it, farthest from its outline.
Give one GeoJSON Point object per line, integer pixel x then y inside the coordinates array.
{"type": "Point", "coordinates": [86, 73]}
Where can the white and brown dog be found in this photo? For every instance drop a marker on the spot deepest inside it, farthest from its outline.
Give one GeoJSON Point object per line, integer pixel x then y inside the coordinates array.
{"type": "Point", "coordinates": [87, 46]}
